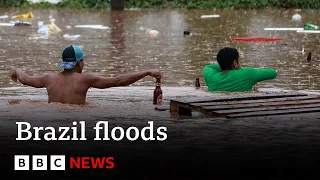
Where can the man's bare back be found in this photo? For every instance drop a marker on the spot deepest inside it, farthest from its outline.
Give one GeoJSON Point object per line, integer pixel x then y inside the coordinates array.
{"type": "Point", "coordinates": [68, 88]}
{"type": "Point", "coordinates": [71, 86]}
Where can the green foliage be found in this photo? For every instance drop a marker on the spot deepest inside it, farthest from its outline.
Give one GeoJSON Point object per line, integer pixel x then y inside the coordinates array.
{"type": "Point", "coordinates": [223, 4]}
{"type": "Point", "coordinates": [85, 4]}
{"type": "Point", "coordinates": [24, 4]}
{"type": "Point", "coordinates": [12, 3]}
{"type": "Point", "coordinates": [190, 4]}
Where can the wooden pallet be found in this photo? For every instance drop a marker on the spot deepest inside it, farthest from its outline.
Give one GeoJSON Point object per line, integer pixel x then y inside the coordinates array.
{"type": "Point", "coordinates": [249, 105]}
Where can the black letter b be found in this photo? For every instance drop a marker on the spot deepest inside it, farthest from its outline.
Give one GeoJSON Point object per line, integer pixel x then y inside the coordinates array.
{"type": "Point", "coordinates": [21, 163]}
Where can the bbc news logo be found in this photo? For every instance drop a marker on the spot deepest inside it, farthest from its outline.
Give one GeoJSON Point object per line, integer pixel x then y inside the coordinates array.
{"type": "Point", "coordinates": [39, 162]}
{"type": "Point", "coordinates": [58, 162]}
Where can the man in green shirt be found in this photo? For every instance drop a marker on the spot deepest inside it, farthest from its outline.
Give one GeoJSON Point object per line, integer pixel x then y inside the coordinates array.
{"type": "Point", "coordinates": [229, 76]}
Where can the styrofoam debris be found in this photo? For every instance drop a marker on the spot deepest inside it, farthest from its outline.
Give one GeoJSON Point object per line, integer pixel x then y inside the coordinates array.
{"type": "Point", "coordinates": [210, 16]}
{"type": "Point", "coordinates": [283, 29]}
{"type": "Point", "coordinates": [308, 31]}
{"type": "Point", "coordinates": [68, 36]}
{"type": "Point", "coordinates": [4, 17]}
{"type": "Point", "coordinates": [92, 26]}
{"type": "Point", "coordinates": [7, 24]}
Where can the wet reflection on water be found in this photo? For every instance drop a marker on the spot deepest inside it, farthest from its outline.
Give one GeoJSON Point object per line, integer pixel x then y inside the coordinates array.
{"type": "Point", "coordinates": [125, 48]}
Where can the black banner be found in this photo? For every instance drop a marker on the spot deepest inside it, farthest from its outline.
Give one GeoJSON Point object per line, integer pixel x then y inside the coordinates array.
{"type": "Point", "coordinates": [263, 148]}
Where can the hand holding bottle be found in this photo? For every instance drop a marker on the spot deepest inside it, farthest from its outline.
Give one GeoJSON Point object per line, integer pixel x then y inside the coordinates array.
{"type": "Point", "coordinates": [155, 73]}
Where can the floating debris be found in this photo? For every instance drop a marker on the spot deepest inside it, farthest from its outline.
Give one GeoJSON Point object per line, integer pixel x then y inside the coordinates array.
{"type": "Point", "coordinates": [296, 17]}
{"type": "Point", "coordinates": [24, 17]}
{"type": "Point", "coordinates": [308, 31]}
{"type": "Point", "coordinates": [309, 57]}
{"type": "Point", "coordinates": [71, 37]}
{"type": "Point", "coordinates": [152, 33]}
{"type": "Point", "coordinates": [197, 83]}
{"type": "Point", "coordinates": [210, 16]}
{"type": "Point", "coordinates": [44, 30]}
{"type": "Point", "coordinates": [54, 29]}
{"type": "Point", "coordinates": [40, 23]}
{"type": "Point", "coordinates": [311, 27]}
{"type": "Point", "coordinates": [283, 29]}
{"type": "Point", "coordinates": [38, 36]}
{"type": "Point", "coordinates": [7, 24]}
{"type": "Point", "coordinates": [186, 32]}
{"type": "Point", "coordinates": [22, 24]}
{"type": "Point", "coordinates": [256, 39]}
{"type": "Point", "coordinates": [92, 26]}
{"type": "Point", "coordinates": [4, 17]}
{"type": "Point", "coordinates": [302, 51]}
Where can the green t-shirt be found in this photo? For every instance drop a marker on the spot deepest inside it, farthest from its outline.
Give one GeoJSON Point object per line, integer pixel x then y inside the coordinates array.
{"type": "Point", "coordinates": [239, 80]}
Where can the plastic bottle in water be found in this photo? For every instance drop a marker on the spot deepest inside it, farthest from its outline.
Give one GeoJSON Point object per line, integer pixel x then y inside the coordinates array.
{"type": "Point", "coordinates": [311, 27]}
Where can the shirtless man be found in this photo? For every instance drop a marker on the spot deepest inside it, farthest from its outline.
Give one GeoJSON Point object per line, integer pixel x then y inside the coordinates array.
{"type": "Point", "coordinates": [71, 86]}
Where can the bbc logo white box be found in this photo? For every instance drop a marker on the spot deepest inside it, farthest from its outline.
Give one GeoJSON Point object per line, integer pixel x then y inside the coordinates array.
{"type": "Point", "coordinates": [57, 162]}
{"type": "Point", "coordinates": [21, 162]}
{"type": "Point", "coordinates": [39, 162]}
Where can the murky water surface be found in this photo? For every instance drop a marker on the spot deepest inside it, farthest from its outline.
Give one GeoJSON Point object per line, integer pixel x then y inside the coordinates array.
{"type": "Point", "coordinates": [125, 48]}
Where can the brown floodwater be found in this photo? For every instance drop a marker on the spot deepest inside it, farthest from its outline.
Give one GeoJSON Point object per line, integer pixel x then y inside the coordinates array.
{"type": "Point", "coordinates": [125, 48]}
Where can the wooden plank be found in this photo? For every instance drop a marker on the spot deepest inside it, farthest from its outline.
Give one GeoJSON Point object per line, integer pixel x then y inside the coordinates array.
{"type": "Point", "coordinates": [174, 107]}
{"type": "Point", "coordinates": [272, 113]}
{"type": "Point", "coordinates": [180, 108]}
{"type": "Point", "coordinates": [255, 101]}
{"type": "Point", "coordinates": [239, 97]}
{"type": "Point", "coordinates": [282, 103]}
{"type": "Point", "coordinates": [234, 111]}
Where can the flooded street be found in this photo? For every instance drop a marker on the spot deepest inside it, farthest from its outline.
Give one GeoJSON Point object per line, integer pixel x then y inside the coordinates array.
{"type": "Point", "coordinates": [125, 48]}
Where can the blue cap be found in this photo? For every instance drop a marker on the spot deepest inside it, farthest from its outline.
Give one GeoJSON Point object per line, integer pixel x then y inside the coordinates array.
{"type": "Point", "coordinates": [71, 56]}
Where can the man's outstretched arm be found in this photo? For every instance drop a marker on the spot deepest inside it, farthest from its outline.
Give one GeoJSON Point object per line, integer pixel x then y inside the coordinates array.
{"type": "Point", "coordinates": [24, 78]}
{"type": "Point", "coordinates": [96, 81]}
{"type": "Point", "coordinates": [263, 74]}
